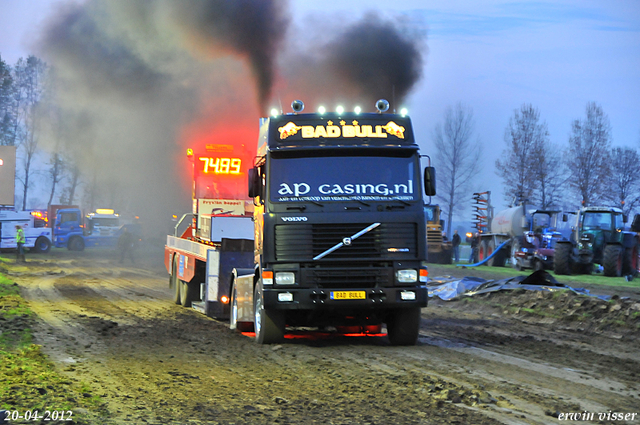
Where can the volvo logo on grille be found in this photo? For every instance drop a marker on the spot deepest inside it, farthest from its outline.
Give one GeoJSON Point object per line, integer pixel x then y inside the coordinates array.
{"type": "Point", "coordinates": [346, 241]}
{"type": "Point", "coordinates": [294, 218]}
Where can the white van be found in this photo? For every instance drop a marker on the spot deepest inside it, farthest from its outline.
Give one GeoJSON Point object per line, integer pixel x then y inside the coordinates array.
{"type": "Point", "coordinates": [37, 235]}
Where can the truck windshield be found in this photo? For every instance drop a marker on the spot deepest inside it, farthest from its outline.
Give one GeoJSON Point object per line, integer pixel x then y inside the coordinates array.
{"type": "Point", "coordinates": [601, 221]}
{"type": "Point", "coordinates": [105, 222]}
{"type": "Point", "coordinates": [430, 212]}
{"type": "Point", "coordinates": [357, 178]}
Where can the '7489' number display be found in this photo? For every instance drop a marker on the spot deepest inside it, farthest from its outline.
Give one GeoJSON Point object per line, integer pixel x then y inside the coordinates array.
{"type": "Point", "coordinates": [221, 165]}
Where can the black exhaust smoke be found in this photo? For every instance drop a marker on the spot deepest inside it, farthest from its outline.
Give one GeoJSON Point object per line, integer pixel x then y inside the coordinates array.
{"type": "Point", "coordinates": [375, 56]}
{"type": "Point", "coordinates": [137, 82]}
{"type": "Point", "coordinates": [247, 27]}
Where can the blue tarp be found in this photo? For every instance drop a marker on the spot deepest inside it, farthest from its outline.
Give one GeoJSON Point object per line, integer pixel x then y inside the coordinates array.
{"type": "Point", "coordinates": [449, 289]}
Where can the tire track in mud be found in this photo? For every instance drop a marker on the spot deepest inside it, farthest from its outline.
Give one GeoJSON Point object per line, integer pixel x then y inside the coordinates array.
{"type": "Point", "coordinates": [165, 364]}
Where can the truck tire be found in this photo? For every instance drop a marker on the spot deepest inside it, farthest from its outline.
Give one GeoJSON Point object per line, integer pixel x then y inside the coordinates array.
{"type": "Point", "coordinates": [499, 258]}
{"type": "Point", "coordinates": [562, 258]}
{"type": "Point", "coordinates": [188, 293]}
{"type": "Point", "coordinates": [612, 260]}
{"type": "Point", "coordinates": [482, 251]}
{"type": "Point", "coordinates": [233, 317]}
{"type": "Point", "coordinates": [269, 323]}
{"type": "Point", "coordinates": [630, 264]}
{"type": "Point", "coordinates": [403, 326]}
{"type": "Point", "coordinates": [445, 257]}
{"type": "Point", "coordinates": [43, 245]}
{"type": "Point", "coordinates": [174, 283]}
{"type": "Point", "coordinates": [76, 244]}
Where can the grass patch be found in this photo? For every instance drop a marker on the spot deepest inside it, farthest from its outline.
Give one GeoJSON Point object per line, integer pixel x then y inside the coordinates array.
{"type": "Point", "coordinates": [28, 379]}
{"type": "Point", "coordinates": [487, 272]}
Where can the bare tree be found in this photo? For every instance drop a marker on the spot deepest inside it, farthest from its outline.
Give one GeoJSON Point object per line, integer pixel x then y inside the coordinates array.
{"type": "Point", "coordinates": [588, 157]}
{"type": "Point", "coordinates": [56, 173]}
{"type": "Point", "coordinates": [525, 138]}
{"type": "Point", "coordinates": [457, 157]}
{"type": "Point", "coordinates": [624, 191]}
{"type": "Point", "coordinates": [549, 173]}
{"type": "Point", "coordinates": [56, 131]}
{"type": "Point", "coordinates": [29, 78]}
{"type": "Point", "coordinates": [73, 174]}
{"type": "Point", "coordinates": [7, 116]}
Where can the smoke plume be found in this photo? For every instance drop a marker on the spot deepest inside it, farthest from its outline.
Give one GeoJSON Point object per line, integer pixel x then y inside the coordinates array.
{"type": "Point", "coordinates": [137, 82]}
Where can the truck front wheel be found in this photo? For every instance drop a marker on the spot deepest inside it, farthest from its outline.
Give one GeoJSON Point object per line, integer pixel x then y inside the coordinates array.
{"type": "Point", "coordinates": [269, 323]}
{"type": "Point", "coordinates": [612, 260]}
{"type": "Point", "coordinates": [403, 326]}
{"type": "Point", "coordinates": [76, 244]}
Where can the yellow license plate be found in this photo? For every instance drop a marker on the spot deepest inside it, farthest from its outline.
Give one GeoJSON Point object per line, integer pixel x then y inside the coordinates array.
{"type": "Point", "coordinates": [348, 295]}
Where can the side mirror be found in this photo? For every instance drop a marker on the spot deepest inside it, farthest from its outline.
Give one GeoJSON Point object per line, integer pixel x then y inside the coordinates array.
{"type": "Point", "coordinates": [635, 226]}
{"type": "Point", "coordinates": [430, 181]}
{"type": "Point", "coordinates": [254, 182]}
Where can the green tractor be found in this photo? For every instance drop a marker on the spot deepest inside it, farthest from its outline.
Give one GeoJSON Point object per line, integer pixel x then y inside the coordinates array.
{"type": "Point", "coordinates": [598, 237]}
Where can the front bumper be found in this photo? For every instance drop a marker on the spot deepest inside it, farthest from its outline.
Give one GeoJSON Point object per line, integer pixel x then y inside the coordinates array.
{"type": "Point", "coordinates": [317, 298]}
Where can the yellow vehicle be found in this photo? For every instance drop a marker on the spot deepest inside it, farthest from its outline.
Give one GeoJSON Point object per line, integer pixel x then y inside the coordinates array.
{"type": "Point", "coordinates": [438, 250]}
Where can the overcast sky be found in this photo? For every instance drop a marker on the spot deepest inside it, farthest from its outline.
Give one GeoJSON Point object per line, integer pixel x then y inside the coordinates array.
{"type": "Point", "coordinates": [493, 56]}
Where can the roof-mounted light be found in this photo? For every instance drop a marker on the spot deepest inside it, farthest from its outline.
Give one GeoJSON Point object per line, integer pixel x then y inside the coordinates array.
{"type": "Point", "coordinates": [297, 106]}
{"type": "Point", "coordinates": [274, 112]}
{"type": "Point", "coordinates": [404, 112]}
{"type": "Point", "coordinates": [357, 109]}
{"type": "Point", "coordinates": [339, 110]}
{"type": "Point", "coordinates": [382, 106]}
{"type": "Point", "coordinates": [322, 110]}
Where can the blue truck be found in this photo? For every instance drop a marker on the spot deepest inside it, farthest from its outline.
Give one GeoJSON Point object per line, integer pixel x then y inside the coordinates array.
{"type": "Point", "coordinates": [75, 231]}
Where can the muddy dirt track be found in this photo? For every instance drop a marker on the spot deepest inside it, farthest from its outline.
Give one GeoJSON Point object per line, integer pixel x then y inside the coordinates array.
{"type": "Point", "coordinates": [115, 327]}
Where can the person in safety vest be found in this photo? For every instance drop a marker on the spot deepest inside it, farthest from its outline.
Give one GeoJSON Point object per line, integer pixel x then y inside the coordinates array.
{"type": "Point", "coordinates": [20, 241]}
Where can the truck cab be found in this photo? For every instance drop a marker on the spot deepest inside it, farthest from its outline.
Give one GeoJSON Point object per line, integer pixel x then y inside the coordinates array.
{"type": "Point", "coordinates": [340, 229]}
{"type": "Point", "coordinates": [76, 232]}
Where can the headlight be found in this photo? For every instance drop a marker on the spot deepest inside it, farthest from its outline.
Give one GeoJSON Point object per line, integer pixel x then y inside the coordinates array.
{"type": "Point", "coordinates": [407, 276]}
{"type": "Point", "coordinates": [285, 278]}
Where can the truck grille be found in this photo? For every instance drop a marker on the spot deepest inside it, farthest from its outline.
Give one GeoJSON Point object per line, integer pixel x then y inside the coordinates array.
{"type": "Point", "coordinates": [434, 236]}
{"type": "Point", "coordinates": [347, 278]}
{"type": "Point", "coordinates": [302, 242]}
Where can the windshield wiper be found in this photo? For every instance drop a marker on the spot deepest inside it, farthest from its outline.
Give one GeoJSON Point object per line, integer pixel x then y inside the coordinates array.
{"type": "Point", "coordinates": [404, 204]}
{"type": "Point", "coordinates": [362, 202]}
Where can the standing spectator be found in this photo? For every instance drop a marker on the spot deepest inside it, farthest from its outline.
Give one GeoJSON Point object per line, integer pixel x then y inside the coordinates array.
{"type": "Point", "coordinates": [455, 243]}
{"type": "Point", "coordinates": [475, 241]}
{"type": "Point", "coordinates": [20, 241]}
{"type": "Point", "coordinates": [126, 244]}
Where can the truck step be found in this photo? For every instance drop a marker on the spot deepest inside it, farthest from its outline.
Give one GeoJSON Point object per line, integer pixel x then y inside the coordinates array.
{"type": "Point", "coordinates": [199, 306]}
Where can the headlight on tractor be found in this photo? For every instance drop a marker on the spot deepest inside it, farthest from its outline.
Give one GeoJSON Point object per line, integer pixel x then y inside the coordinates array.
{"type": "Point", "coordinates": [285, 278]}
{"type": "Point", "coordinates": [407, 276]}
